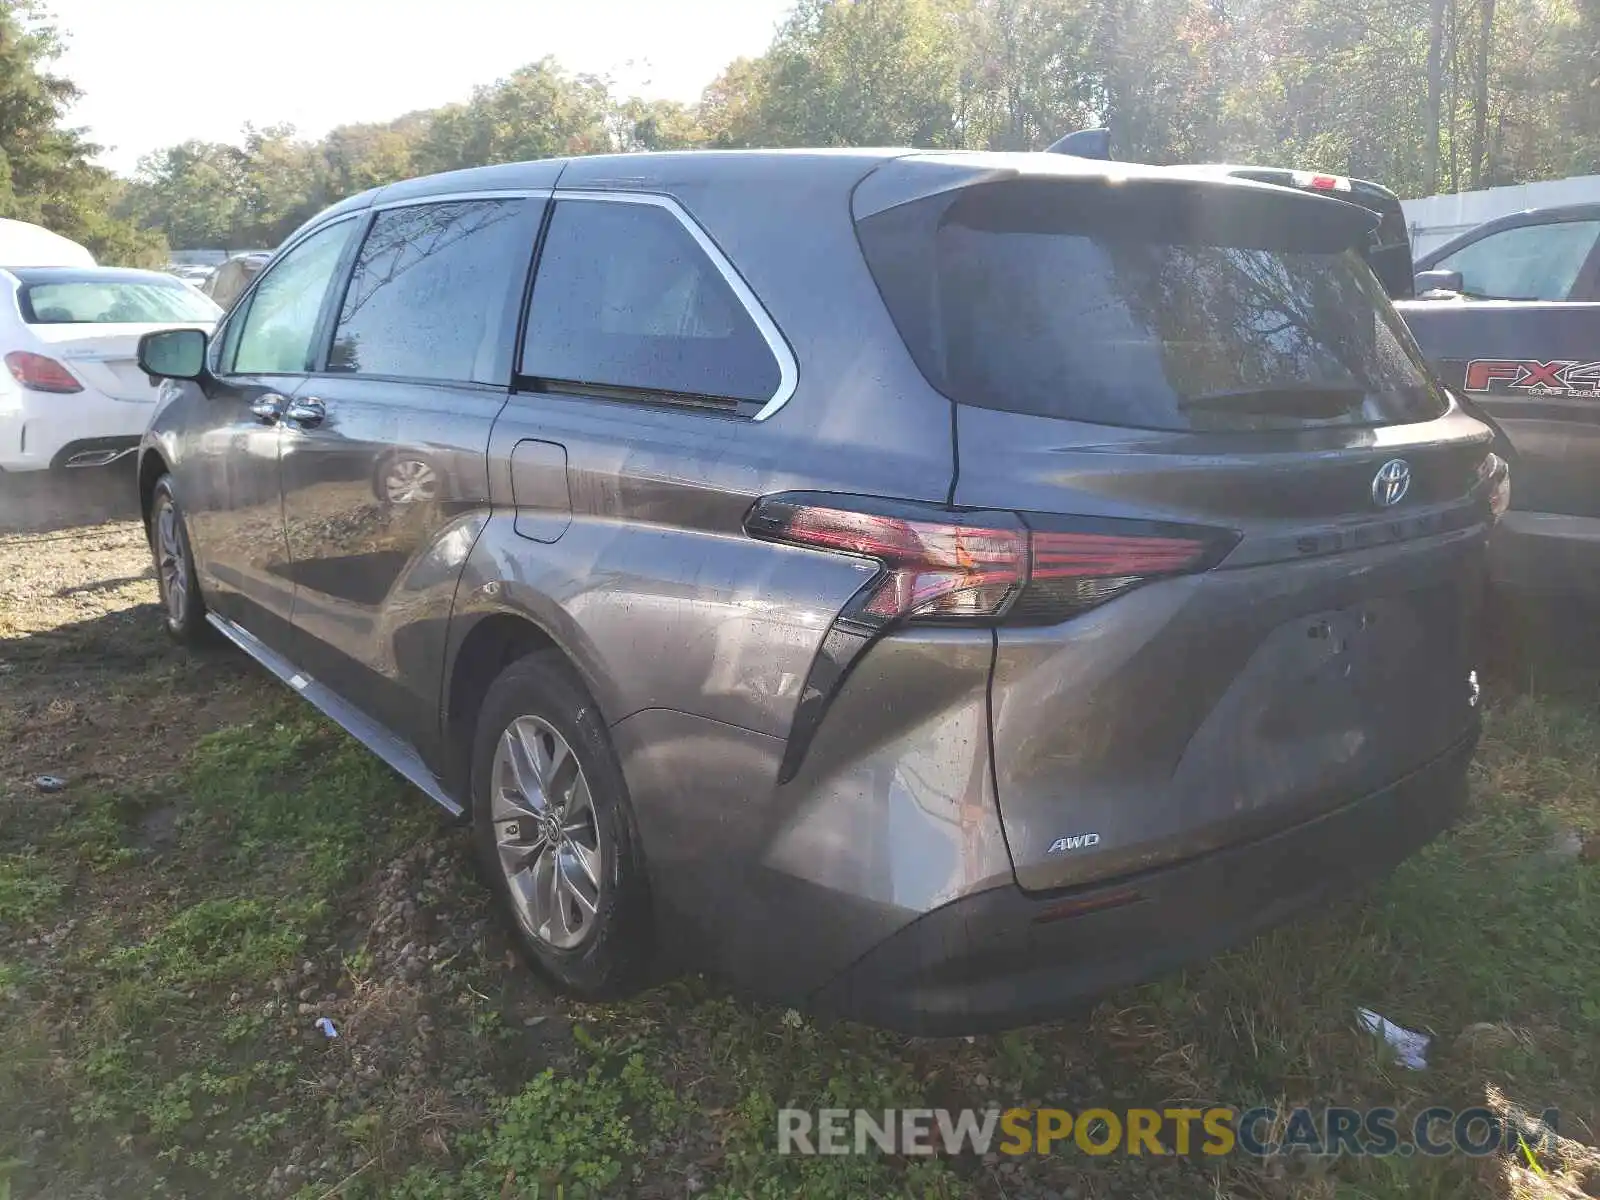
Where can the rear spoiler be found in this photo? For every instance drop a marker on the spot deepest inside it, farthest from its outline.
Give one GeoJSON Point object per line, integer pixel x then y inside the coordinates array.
{"type": "Point", "coordinates": [1085, 143]}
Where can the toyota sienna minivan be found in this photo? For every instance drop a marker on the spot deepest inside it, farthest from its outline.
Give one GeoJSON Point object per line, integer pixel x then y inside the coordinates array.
{"type": "Point", "coordinates": [934, 588]}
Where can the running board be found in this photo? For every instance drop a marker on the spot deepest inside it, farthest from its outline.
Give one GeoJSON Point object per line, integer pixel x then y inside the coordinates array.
{"type": "Point", "coordinates": [352, 720]}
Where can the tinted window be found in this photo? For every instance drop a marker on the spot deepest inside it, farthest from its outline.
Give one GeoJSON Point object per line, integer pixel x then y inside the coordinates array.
{"type": "Point", "coordinates": [282, 318]}
{"type": "Point", "coordinates": [626, 298]}
{"type": "Point", "coordinates": [429, 291]}
{"type": "Point", "coordinates": [1151, 308]}
{"type": "Point", "coordinates": [114, 302]}
{"type": "Point", "coordinates": [1530, 262]}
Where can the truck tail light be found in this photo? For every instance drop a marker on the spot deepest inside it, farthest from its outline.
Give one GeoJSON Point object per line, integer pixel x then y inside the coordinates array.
{"type": "Point", "coordinates": [1317, 181]}
{"type": "Point", "coordinates": [40, 374]}
{"type": "Point", "coordinates": [1500, 487]}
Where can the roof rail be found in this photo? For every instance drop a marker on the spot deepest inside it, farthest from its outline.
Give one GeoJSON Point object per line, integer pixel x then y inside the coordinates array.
{"type": "Point", "coordinates": [1084, 143]}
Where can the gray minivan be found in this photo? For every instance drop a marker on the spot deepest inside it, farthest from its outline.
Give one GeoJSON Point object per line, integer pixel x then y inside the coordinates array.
{"type": "Point", "coordinates": [932, 587]}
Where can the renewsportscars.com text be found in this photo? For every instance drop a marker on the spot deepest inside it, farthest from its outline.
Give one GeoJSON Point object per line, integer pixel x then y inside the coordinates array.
{"type": "Point", "coordinates": [1260, 1132]}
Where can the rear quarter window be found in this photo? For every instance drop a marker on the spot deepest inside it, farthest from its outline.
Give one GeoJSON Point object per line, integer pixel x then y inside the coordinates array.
{"type": "Point", "coordinates": [626, 299]}
{"type": "Point", "coordinates": [1160, 310]}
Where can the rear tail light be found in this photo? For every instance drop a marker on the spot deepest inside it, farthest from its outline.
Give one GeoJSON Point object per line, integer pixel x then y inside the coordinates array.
{"type": "Point", "coordinates": [984, 567]}
{"type": "Point", "coordinates": [940, 566]}
{"type": "Point", "coordinates": [40, 374]}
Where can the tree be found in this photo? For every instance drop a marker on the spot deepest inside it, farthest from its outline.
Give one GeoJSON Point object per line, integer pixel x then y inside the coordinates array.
{"type": "Point", "coordinates": [46, 173]}
{"type": "Point", "coordinates": [656, 125]}
{"type": "Point", "coordinates": [539, 111]}
{"type": "Point", "coordinates": [730, 109]}
{"type": "Point", "coordinates": [863, 72]}
{"type": "Point", "coordinates": [1435, 93]}
{"type": "Point", "coordinates": [1420, 96]}
{"type": "Point", "coordinates": [281, 185]}
{"type": "Point", "coordinates": [358, 157]}
{"type": "Point", "coordinates": [193, 193]}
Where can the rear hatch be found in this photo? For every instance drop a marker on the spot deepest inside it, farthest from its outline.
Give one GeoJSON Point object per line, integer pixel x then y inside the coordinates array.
{"type": "Point", "coordinates": [1257, 522]}
{"type": "Point", "coordinates": [1388, 246]}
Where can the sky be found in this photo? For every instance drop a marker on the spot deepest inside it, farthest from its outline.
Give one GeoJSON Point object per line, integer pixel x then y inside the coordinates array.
{"type": "Point", "coordinates": [157, 72]}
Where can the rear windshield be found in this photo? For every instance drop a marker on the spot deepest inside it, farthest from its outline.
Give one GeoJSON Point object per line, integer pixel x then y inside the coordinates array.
{"type": "Point", "coordinates": [1181, 309]}
{"type": "Point", "coordinates": [108, 302]}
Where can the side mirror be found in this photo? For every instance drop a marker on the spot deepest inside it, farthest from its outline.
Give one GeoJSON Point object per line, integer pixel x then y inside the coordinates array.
{"type": "Point", "coordinates": [173, 354]}
{"type": "Point", "coordinates": [1438, 281]}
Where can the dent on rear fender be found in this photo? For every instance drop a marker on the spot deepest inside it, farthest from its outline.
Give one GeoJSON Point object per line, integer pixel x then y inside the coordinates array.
{"type": "Point", "coordinates": [894, 800]}
{"type": "Point", "coordinates": [656, 616]}
{"type": "Point", "coordinates": [891, 815]}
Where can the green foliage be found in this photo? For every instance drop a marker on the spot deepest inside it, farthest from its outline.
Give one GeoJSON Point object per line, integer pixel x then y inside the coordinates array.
{"type": "Point", "coordinates": [1330, 84]}
{"type": "Point", "coordinates": [569, 1136]}
{"type": "Point", "coordinates": [220, 940]}
{"type": "Point", "coordinates": [297, 782]}
{"type": "Point", "coordinates": [30, 886]}
{"type": "Point", "coordinates": [46, 175]}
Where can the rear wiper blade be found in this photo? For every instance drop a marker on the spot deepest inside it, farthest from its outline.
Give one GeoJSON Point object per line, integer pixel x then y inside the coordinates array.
{"type": "Point", "coordinates": [1298, 400]}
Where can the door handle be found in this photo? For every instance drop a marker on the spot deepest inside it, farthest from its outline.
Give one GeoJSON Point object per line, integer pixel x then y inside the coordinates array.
{"type": "Point", "coordinates": [268, 407]}
{"type": "Point", "coordinates": [308, 411]}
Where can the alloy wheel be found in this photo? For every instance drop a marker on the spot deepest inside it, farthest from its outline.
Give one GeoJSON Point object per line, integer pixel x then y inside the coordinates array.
{"type": "Point", "coordinates": [546, 833]}
{"type": "Point", "coordinates": [172, 564]}
{"type": "Point", "coordinates": [410, 481]}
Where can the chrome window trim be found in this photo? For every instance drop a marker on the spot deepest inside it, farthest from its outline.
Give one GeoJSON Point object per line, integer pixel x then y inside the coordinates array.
{"type": "Point", "coordinates": [788, 369]}
{"type": "Point", "coordinates": [459, 197]}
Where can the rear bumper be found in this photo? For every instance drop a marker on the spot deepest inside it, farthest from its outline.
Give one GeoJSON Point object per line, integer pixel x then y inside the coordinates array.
{"type": "Point", "coordinates": [94, 452]}
{"type": "Point", "coordinates": [1003, 958]}
{"type": "Point", "coordinates": [1546, 554]}
{"type": "Point", "coordinates": [31, 440]}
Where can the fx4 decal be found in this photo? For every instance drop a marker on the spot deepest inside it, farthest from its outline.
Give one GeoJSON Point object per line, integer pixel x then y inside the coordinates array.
{"type": "Point", "coordinates": [1561, 377]}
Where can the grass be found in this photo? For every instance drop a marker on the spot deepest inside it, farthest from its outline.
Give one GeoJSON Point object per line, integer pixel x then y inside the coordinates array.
{"type": "Point", "coordinates": [167, 943]}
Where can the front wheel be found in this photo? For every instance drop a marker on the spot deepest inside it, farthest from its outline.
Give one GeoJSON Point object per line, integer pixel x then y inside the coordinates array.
{"type": "Point", "coordinates": [183, 608]}
{"type": "Point", "coordinates": [555, 834]}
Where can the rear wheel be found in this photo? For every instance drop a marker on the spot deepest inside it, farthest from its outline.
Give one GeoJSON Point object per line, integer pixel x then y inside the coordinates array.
{"type": "Point", "coordinates": [406, 479]}
{"type": "Point", "coordinates": [555, 834]}
{"type": "Point", "coordinates": [183, 609]}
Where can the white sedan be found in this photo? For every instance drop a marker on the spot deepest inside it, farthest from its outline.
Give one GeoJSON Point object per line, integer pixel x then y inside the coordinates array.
{"type": "Point", "coordinates": [72, 394]}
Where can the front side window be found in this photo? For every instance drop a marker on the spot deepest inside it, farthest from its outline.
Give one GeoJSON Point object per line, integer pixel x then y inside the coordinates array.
{"type": "Point", "coordinates": [275, 338]}
{"type": "Point", "coordinates": [429, 291]}
{"type": "Point", "coordinates": [1529, 262]}
{"type": "Point", "coordinates": [626, 298]}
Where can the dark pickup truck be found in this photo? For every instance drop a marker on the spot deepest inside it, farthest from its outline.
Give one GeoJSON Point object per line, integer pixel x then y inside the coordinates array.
{"type": "Point", "coordinates": [1509, 315]}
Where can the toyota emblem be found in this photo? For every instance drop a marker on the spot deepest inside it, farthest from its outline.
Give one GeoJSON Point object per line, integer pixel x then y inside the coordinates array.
{"type": "Point", "coordinates": [1391, 483]}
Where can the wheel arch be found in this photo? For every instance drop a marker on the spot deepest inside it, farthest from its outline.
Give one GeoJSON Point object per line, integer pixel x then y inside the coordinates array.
{"type": "Point", "coordinates": [495, 641]}
{"type": "Point", "coordinates": [152, 466]}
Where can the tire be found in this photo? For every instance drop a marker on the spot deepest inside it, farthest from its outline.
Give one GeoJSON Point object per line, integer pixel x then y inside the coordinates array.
{"type": "Point", "coordinates": [183, 609]}
{"type": "Point", "coordinates": [537, 705]}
